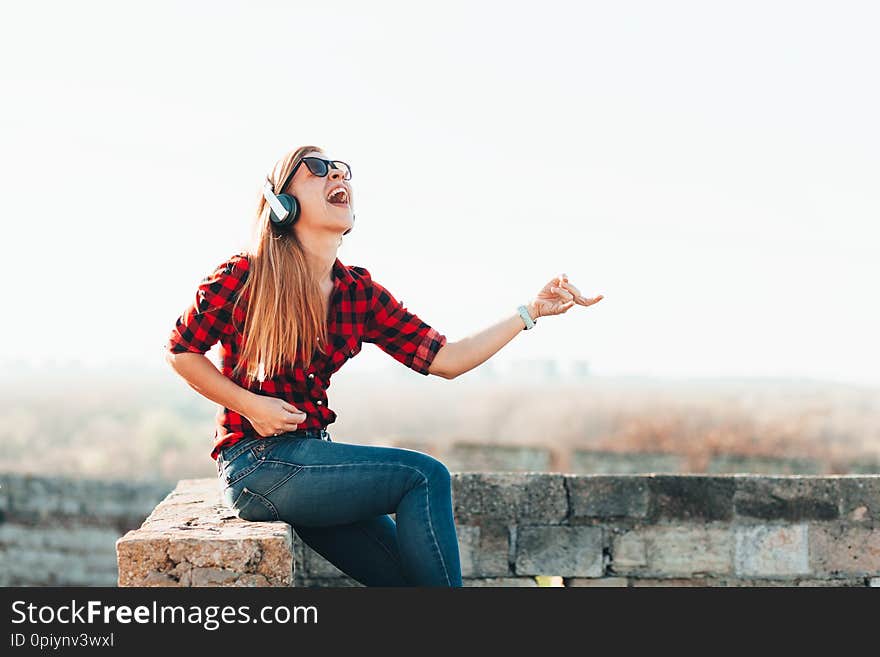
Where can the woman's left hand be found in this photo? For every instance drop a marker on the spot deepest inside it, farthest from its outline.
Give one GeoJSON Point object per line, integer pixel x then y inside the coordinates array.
{"type": "Point", "coordinates": [558, 296]}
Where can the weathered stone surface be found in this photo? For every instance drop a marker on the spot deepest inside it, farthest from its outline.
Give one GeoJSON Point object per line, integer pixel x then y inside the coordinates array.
{"type": "Point", "coordinates": [628, 551]}
{"type": "Point", "coordinates": [511, 498]}
{"type": "Point", "coordinates": [597, 582]}
{"type": "Point", "coordinates": [638, 582]}
{"type": "Point", "coordinates": [620, 463]}
{"type": "Point", "coordinates": [565, 551]}
{"type": "Point", "coordinates": [690, 497]}
{"type": "Point", "coordinates": [787, 498]}
{"type": "Point", "coordinates": [859, 498]}
{"type": "Point", "coordinates": [500, 581]}
{"type": "Point", "coordinates": [484, 550]}
{"type": "Point", "coordinates": [191, 539]}
{"type": "Point", "coordinates": [673, 551]}
{"type": "Point", "coordinates": [85, 540]}
{"type": "Point", "coordinates": [851, 582]}
{"type": "Point", "coordinates": [28, 566]}
{"type": "Point", "coordinates": [839, 550]}
{"type": "Point", "coordinates": [601, 496]}
{"type": "Point", "coordinates": [768, 550]}
{"type": "Point", "coordinates": [194, 539]}
{"type": "Point", "coordinates": [753, 582]}
{"type": "Point", "coordinates": [31, 499]}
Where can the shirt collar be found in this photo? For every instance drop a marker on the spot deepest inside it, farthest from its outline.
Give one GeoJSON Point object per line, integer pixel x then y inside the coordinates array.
{"type": "Point", "coordinates": [341, 275]}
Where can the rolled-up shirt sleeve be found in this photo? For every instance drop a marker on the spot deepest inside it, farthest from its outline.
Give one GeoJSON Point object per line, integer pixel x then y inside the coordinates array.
{"type": "Point", "coordinates": [398, 332]}
{"type": "Point", "coordinates": [209, 317]}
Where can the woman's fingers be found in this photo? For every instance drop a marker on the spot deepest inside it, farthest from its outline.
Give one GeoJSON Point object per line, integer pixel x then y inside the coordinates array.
{"type": "Point", "coordinates": [579, 298]}
{"type": "Point", "coordinates": [290, 408]}
{"type": "Point", "coordinates": [565, 294]}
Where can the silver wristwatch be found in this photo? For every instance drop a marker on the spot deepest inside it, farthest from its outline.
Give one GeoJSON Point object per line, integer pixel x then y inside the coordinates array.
{"type": "Point", "coordinates": [526, 318]}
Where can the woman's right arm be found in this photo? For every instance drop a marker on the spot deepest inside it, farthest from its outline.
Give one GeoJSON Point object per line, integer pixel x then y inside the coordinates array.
{"type": "Point", "coordinates": [201, 326]}
{"type": "Point", "coordinates": [268, 415]}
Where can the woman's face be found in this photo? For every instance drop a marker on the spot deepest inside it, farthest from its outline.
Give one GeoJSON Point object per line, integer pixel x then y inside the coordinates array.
{"type": "Point", "coordinates": [313, 192]}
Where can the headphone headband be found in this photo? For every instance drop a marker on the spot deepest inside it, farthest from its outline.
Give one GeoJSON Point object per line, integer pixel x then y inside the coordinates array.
{"type": "Point", "coordinates": [269, 194]}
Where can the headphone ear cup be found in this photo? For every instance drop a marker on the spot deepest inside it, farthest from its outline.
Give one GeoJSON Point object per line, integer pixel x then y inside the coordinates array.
{"type": "Point", "coordinates": [291, 205]}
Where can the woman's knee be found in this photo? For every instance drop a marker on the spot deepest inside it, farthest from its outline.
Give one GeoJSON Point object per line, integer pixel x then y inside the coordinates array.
{"type": "Point", "coordinates": [434, 470]}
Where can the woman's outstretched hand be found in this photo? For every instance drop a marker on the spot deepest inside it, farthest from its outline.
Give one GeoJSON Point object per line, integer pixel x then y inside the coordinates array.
{"type": "Point", "coordinates": [270, 415]}
{"type": "Point", "coordinates": [558, 296]}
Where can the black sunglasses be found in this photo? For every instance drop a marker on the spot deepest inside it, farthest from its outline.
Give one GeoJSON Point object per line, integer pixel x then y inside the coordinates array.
{"type": "Point", "coordinates": [319, 167]}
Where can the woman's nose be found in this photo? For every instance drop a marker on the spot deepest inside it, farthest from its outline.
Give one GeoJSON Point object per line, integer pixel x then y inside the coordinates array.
{"type": "Point", "coordinates": [336, 173]}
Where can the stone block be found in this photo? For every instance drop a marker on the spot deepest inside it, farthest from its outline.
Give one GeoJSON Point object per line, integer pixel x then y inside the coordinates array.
{"type": "Point", "coordinates": [563, 551]}
{"type": "Point", "coordinates": [786, 498]}
{"type": "Point", "coordinates": [597, 582]}
{"type": "Point", "coordinates": [690, 497]}
{"type": "Point", "coordinates": [859, 498]}
{"type": "Point", "coordinates": [839, 550]}
{"type": "Point", "coordinates": [484, 550]}
{"type": "Point", "coordinates": [669, 582]}
{"type": "Point", "coordinates": [836, 583]}
{"type": "Point", "coordinates": [628, 551]}
{"type": "Point", "coordinates": [771, 550]}
{"type": "Point", "coordinates": [25, 566]}
{"type": "Point", "coordinates": [35, 499]}
{"type": "Point", "coordinates": [509, 498]}
{"type": "Point", "coordinates": [499, 581]}
{"type": "Point", "coordinates": [193, 539]}
{"type": "Point", "coordinates": [752, 582]}
{"type": "Point", "coordinates": [673, 551]}
{"type": "Point", "coordinates": [604, 496]}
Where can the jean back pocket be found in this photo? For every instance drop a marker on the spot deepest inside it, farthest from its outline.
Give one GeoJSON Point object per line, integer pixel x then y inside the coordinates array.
{"type": "Point", "coordinates": [253, 507]}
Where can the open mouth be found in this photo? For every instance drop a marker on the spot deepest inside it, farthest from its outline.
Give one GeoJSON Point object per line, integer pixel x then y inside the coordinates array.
{"type": "Point", "coordinates": [338, 196]}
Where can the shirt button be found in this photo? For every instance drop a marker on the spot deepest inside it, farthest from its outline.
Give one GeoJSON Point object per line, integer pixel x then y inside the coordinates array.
{"type": "Point", "coordinates": [312, 376]}
{"type": "Point", "coordinates": [319, 402]}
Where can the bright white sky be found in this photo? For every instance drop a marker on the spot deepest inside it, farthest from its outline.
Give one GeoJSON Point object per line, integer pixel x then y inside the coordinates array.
{"type": "Point", "coordinates": [711, 168]}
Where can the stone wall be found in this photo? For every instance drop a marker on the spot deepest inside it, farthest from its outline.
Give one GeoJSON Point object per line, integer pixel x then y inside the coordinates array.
{"type": "Point", "coordinates": [585, 530]}
{"type": "Point", "coordinates": [634, 530]}
{"type": "Point", "coordinates": [59, 531]}
{"type": "Point", "coordinates": [588, 530]}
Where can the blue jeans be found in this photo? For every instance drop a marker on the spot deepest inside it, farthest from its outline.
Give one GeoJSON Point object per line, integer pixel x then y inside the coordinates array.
{"type": "Point", "coordinates": [337, 498]}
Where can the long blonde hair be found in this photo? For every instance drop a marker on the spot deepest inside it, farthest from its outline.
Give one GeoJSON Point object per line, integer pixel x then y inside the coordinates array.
{"type": "Point", "coordinates": [286, 310]}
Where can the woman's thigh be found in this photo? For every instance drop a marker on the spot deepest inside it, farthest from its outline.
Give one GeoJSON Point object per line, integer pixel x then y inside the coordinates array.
{"type": "Point", "coordinates": [312, 482]}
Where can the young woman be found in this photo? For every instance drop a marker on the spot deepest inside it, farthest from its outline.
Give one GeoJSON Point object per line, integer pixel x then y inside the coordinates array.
{"type": "Point", "coordinates": [288, 314]}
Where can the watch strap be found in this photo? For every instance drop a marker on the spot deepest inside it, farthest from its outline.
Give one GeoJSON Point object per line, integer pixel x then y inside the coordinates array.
{"type": "Point", "coordinates": [526, 318]}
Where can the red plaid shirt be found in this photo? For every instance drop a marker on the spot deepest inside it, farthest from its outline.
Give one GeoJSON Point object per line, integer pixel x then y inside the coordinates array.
{"type": "Point", "coordinates": [361, 310]}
